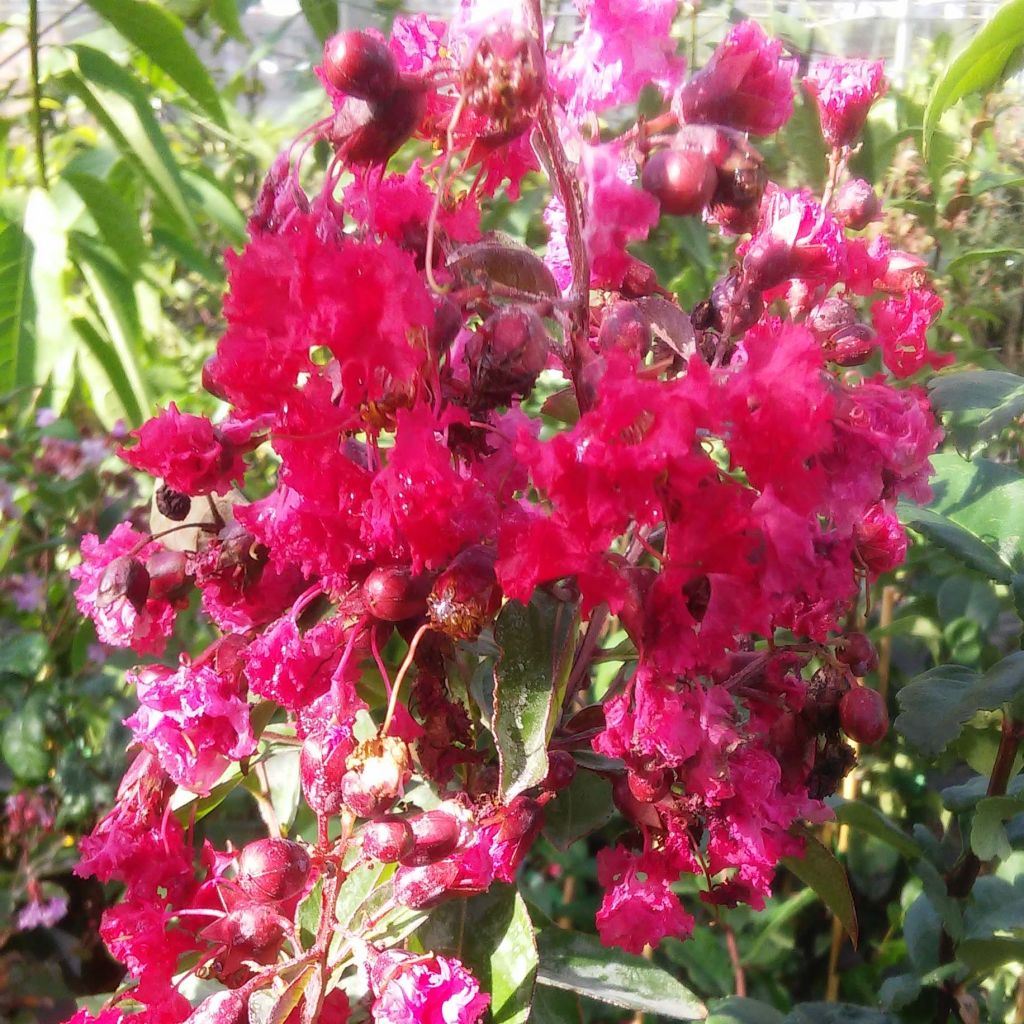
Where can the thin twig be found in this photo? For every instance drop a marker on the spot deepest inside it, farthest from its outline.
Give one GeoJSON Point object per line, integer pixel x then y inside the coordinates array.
{"type": "Point", "coordinates": [37, 92]}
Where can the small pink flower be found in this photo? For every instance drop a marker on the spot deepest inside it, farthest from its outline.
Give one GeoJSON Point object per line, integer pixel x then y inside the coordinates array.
{"type": "Point", "coordinates": [902, 327]}
{"type": "Point", "coordinates": [747, 84]}
{"type": "Point", "coordinates": [844, 91]}
{"type": "Point", "coordinates": [412, 990]}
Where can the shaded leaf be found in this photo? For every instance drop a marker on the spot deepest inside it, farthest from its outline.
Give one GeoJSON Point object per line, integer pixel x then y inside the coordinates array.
{"type": "Point", "coordinates": [988, 826]}
{"type": "Point", "coordinates": [23, 654]}
{"type": "Point", "coordinates": [979, 66]}
{"type": "Point", "coordinates": [112, 394]}
{"type": "Point", "coordinates": [23, 741]}
{"type": "Point", "coordinates": [580, 963]}
{"type": "Point", "coordinates": [836, 1013]}
{"type": "Point", "coordinates": [493, 936]}
{"type": "Point", "coordinates": [737, 1010]}
{"type": "Point", "coordinates": [161, 37]}
{"type": "Point", "coordinates": [117, 221]}
{"type": "Point", "coordinates": [865, 818]}
{"type": "Point", "coordinates": [17, 309]}
{"type": "Point", "coordinates": [536, 642]}
{"type": "Point", "coordinates": [502, 259]}
{"type": "Point", "coordinates": [555, 1006]}
{"type": "Point", "coordinates": [579, 809]}
{"type": "Point", "coordinates": [977, 404]}
{"type": "Point", "coordinates": [225, 13]}
{"type": "Point", "coordinates": [819, 869]}
{"type": "Point", "coordinates": [322, 16]}
{"type": "Point", "coordinates": [972, 256]}
{"type": "Point", "coordinates": [936, 705]}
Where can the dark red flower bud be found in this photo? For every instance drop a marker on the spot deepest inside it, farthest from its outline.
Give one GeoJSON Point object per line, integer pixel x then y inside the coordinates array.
{"type": "Point", "coordinates": [857, 651]}
{"type": "Point", "coordinates": [561, 770]}
{"type": "Point", "coordinates": [732, 302]}
{"type": "Point", "coordinates": [221, 1008]}
{"type": "Point", "coordinates": [505, 356]}
{"type": "Point", "coordinates": [844, 339]}
{"type": "Point", "coordinates": [683, 181]}
{"type": "Point", "coordinates": [768, 262]}
{"type": "Point", "coordinates": [447, 324]}
{"type": "Point", "coordinates": [520, 824]}
{"type": "Point", "coordinates": [168, 575]}
{"type": "Point", "coordinates": [625, 327]}
{"type": "Point", "coordinates": [857, 204]}
{"type": "Point", "coordinates": [640, 812]}
{"type": "Point", "coordinates": [435, 835]}
{"type": "Point", "coordinates": [863, 715]}
{"type": "Point", "coordinates": [388, 840]}
{"type": "Point", "coordinates": [649, 786]}
{"type": "Point", "coordinates": [377, 772]}
{"type": "Point", "coordinates": [504, 80]}
{"type": "Point", "coordinates": [173, 504]}
{"type": "Point", "coordinates": [392, 593]}
{"type": "Point", "coordinates": [360, 65]}
{"type": "Point", "coordinates": [321, 769]}
{"type": "Point", "coordinates": [466, 595]}
{"type": "Point", "coordinates": [852, 346]}
{"type": "Point", "coordinates": [254, 932]}
{"type": "Point", "coordinates": [424, 887]}
{"type": "Point", "coordinates": [370, 133]}
{"type": "Point", "coordinates": [271, 870]}
{"type": "Point", "coordinates": [124, 577]}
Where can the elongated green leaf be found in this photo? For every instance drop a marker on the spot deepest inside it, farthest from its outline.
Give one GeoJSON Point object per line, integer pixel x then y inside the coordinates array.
{"type": "Point", "coordinates": [579, 963]}
{"type": "Point", "coordinates": [736, 1010]}
{"type": "Point", "coordinates": [939, 703]}
{"type": "Point", "coordinates": [161, 37]}
{"type": "Point", "coordinates": [980, 66]}
{"type": "Point", "coordinates": [117, 221]}
{"type": "Point", "coordinates": [555, 1006]}
{"type": "Point", "coordinates": [119, 102]}
{"type": "Point", "coordinates": [220, 208]}
{"type": "Point", "coordinates": [976, 404]}
{"type": "Point", "coordinates": [17, 309]}
{"type": "Point", "coordinates": [975, 514]}
{"type": "Point", "coordinates": [583, 806]}
{"type": "Point", "coordinates": [493, 936]}
{"type": "Point", "coordinates": [966, 259]}
{"type": "Point", "coordinates": [225, 13]}
{"type": "Point", "coordinates": [115, 301]}
{"type": "Point", "coordinates": [111, 391]}
{"type": "Point", "coordinates": [537, 646]}
{"type": "Point", "coordinates": [322, 16]}
{"type": "Point", "coordinates": [819, 869]}
{"type": "Point", "coordinates": [866, 818]}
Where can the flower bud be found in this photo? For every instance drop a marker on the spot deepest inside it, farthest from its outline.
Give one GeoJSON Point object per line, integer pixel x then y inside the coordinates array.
{"type": "Point", "coordinates": [254, 932]}
{"type": "Point", "coordinates": [733, 303]}
{"type": "Point", "coordinates": [173, 504]}
{"type": "Point", "coordinates": [863, 715]}
{"type": "Point", "coordinates": [124, 577]}
{"type": "Point", "coordinates": [624, 327]}
{"type": "Point", "coordinates": [377, 772]}
{"type": "Point", "coordinates": [424, 887]}
{"type": "Point", "coordinates": [221, 1008]}
{"type": "Point", "coordinates": [271, 870]}
{"type": "Point", "coordinates": [683, 181]}
{"type": "Point", "coordinates": [321, 769]}
{"type": "Point", "coordinates": [504, 80]}
{"type": "Point", "coordinates": [634, 810]}
{"type": "Point", "coordinates": [435, 835]}
{"type": "Point", "coordinates": [768, 262]}
{"type": "Point", "coordinates": [466, 595]}
{"type": "Point", "coordinates": [521, 821]}
{"type": "Point", "coordinates": [168, 575]}
{"type": "Point", "coordinates": [370, 133]}
{"type": "Point", "coordinates": [505, 356]}
{"type": "Point", "coordinates": [388, 839]}
{"type": "Point", "coordinates": [857, 204]}
{"type": "Point", "coordinates": [392, 593]}
{"type": "Point", "coordinates": [857, 651]}
{"type": "Point", "coordinates": [360, 65]}
{"type": "Point", "coordinates": [561, 771]}
{"type": "Point", "coordinates": [829, 316]}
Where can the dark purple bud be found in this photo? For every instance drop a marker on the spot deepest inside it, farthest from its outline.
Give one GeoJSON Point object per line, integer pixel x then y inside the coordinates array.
{"type": "Point", "coordinates": [435, 835]}
{"type": "Point", "coordinates": [683, 181]}
{"type": "Point", "coordinates": [124, 577]}
{"type": "Point", "coordinates": [173, 504]}
{"type": "Point", "coordinates": [168, 575]}
{"type": "Point", "coordinates": [271, 870]}
{"type": "Point", "coordinates": [561, 770]}
{"type": "Point", "coordinates": [857, 204]}
{"type": "Point", "coordinates": [360, 65]}
{"type": "Point", "coordinates": [392, 593]}
{"type": "Point", "coordinates": [388, 840]}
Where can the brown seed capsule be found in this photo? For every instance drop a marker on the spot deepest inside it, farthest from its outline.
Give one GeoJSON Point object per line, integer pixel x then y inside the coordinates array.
{"type": "Point", "coordinates": [857, 651]}
{"type": "Point", "coordinates": [124, 577]}
{"type": "Point", "coordinates": [377, 772]}
{"type": "Point", "coordinates": [505, 356]}
{"type": "Point", "coordinates": [466, 595]}
{"type": "Point", "coordinates": [360, 65]}
{"type": "Point", "coordinates": [173, 504]}
{"type": "Point", "coordinates": [271, 870]}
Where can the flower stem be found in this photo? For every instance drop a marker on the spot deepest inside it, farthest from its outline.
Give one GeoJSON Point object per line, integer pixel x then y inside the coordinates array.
{"type": "Point", "coordinates": [37, 92]}
{"type": "Point", "coordinates": [409, 655]}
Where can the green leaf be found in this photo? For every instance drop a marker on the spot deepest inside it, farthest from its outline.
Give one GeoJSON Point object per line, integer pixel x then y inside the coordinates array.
{"type": "Point", "coordinates": [23, 654]}
{"type": "Point", "coordinates": [17, 309]}
{"type": "Point", "coordinates": [935, 706]}
{"type": "Point", "coordinates": [580, 963]}
{"type": "Point", "coordinates": [579, 809]}
{"type": "Point", "coordinates": [118, 222]}
{"type": "Point", "coordinates": [355, 891]}
{"type": "Point", "coordinates": [282, 770]}
{"type": "Point", "coordinates": [975, 514]}
{"type": "Point", "coordinates": [161, 37]}
{"type": "Point", "coordinates": [980, 66]}
{"type": "Point", "coordinates": [555, 1006]}
{"type": "Point", "coordinates": [322, 16]}
{"type": "Point", "coordinates": [23, 741]}
{"type": "Point", "coordinates": [983, 956]}
{"type": "Point", "coordinates": [866, 818]}
{"type": "Point", "coordinates": [977, 404]}
{"type": "Point", "coordinates": [737, 1010]}
{"type": "Point", "coordinates": [536, 642]}
{"type": "Point", "coordinates": [493, 936]}
{"type": "Point", "coordinates": [121, 105]}
{"type": "Point", "coordinates": [972, 256]}
{"type": "Point", "coordinates": [836, 1013]}
{"type": "Point", "coordinates": [221, 209]}
{"type": "Point", "coordinates": [309, 910]}
{"type": "Point", "coordinates": [988, 826]}
{"type": "Point", "coordinates": [112, 394]}
{"type": "Point", "coordinates": [819, 869]}
{"type": "Point", "coordinates": [225, 13]}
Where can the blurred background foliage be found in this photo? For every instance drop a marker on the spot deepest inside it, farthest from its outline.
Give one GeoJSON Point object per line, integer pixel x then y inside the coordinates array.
{"type": "Point", "coordinates": [129, 163]}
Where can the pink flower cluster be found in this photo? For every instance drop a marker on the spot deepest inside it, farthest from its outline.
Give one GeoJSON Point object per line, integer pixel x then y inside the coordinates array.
{"type": "Point", "coordinates": [718, 481]}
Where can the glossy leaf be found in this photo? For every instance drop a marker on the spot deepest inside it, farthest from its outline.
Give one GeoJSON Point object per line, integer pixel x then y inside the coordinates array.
{"type": "Point", "coordinates": [17, 309]}
{"type": "Point", "coordinates": [974, 514]}
{"type": "Point", "coordinates": [865, 818]}
{"type": "Point", "coordinates": [579, 809]}
{"type": "Point", "coordinates": [935, 706]}
{"type": "Point", "coordinates": [819, 869]}
{"type": "Point", "coordinates": [536, 642]}
{"type": "Point", "coordinates": [161, 37]}
{"type": "Point", "coordinates": [24, 654]}
{"type": "Point", "coordinates": [980, 66]}
{"type": "Point", "coordinates": [580, 963]}
{"type": "Point", "coordinates": [493, 936]}
{"type": "Point", "coordinates": [121, 105]}
{"type": "Point", "coordinates": [977, 404]}
{"type": "Point", "coordinates": [737, 1010]}
{"type": "Point", "coordinates": [117, 221]}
